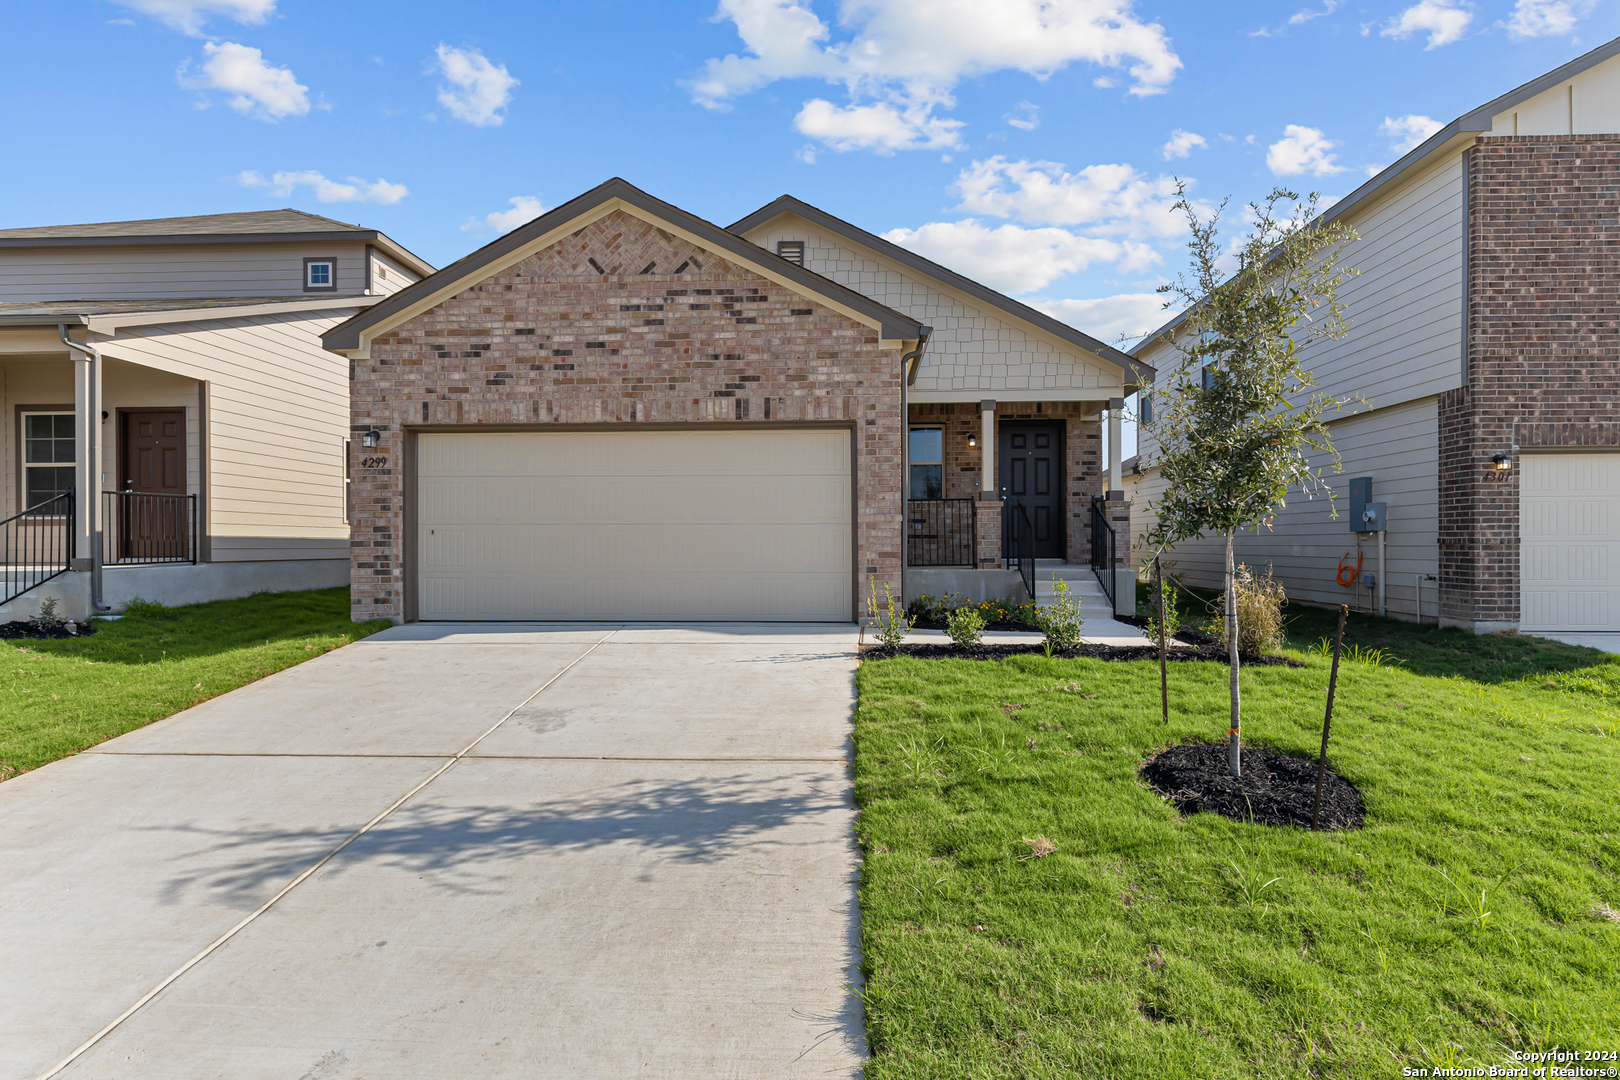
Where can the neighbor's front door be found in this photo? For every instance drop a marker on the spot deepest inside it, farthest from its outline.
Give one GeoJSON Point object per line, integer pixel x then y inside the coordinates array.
{"type": "Point", "coordinates": [1031, 453]}
{"type": "Point", "coordinates": [152, 461]}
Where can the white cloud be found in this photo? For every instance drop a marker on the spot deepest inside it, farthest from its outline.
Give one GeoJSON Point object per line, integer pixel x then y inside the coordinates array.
{"type": "Point", "coordinates": [478, 89]}
{"type": "Point", "coordinates": [1443, 20]}
{"type": "Point", "coordinates": [1181, 144]}
{"type": "Point", "coordinates": [1030, 118]}
{"type": "Point", "coordinates": [256, 87]}
{"type": "Point", "coordinates": [1112, 319]}
{"type": "Point", "coordinates": [904, 57]}
{"type": "Point", "coordinates": [190, 16]}
{"type": "Point", "coordinates": [1013, 259]}
{"type": "Point", "coordinates": [1409, 130]}
{"type": "Point", "coordinates": [1302, 150]}
{"type": "Point", "coordinates": [1112, 199]}
{"type": "Point", "coordinates": [525, 208]}
{"type": "Point", "coordinates": [1544, 18]}
{"type": "Point", "coordinates": [282, 184]}
{"type": "Point", "coordinates": [1300, 17]}
{"type": "Point", "coordinates": [881, 127]}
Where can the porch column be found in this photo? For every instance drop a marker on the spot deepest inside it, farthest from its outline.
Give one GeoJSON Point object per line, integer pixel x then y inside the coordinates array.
{"type": "Point", "coordinates": [988, 509]}
{"type": "Point", "coordinates": [85, 470]}
{"type": "Point", "coordinates": [1116, 487]}
{"type": "Point", "coordinates": [987, 446]}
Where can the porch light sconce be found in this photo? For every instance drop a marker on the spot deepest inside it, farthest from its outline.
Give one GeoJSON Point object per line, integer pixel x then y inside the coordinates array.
{"type": "Point", "coordinates": [973, 440]}
{"type": "Point", "coordinates": [1502, 462]}
{"type": "Point", "coordinates": [370, 439]}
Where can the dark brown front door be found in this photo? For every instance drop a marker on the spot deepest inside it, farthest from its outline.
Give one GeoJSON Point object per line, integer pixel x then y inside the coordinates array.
{"type": "Point", "coordinates": [152, 463]}
{"type": "Point", "coordinates": [1031, 468]}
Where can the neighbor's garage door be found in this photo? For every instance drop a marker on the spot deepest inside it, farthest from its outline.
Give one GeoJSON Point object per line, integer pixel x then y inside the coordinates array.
{"type": "Point", "coordinates": [635, 525]}
{"type": "Point", "coordinates": [1569, 542]}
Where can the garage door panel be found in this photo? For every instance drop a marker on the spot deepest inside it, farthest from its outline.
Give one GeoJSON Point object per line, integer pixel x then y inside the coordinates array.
{"type": "Point", "coordinates": [1569, 542]}
{"type": "Point", "coordinates": [635, 525]}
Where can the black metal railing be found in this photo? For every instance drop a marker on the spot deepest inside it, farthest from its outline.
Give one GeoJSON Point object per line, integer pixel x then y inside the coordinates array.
{"type": "Point", "coordinates": [1104, 545]}
{"type": "Point", "coordinates": [1018, 543]}
{"type": "Point", "coordinates": [941, 532]}
{"type": "Point", "coordinates": [38, 545]}
{"type": "Point", "coordinates": [143, 528]}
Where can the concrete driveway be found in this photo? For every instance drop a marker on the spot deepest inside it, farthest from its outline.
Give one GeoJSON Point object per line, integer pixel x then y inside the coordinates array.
{"type": "Point", "coordinates": [454, 851]}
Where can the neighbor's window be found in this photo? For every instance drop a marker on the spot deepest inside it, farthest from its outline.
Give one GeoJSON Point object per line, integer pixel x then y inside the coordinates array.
{"type": "Point", "coordinates": [320, 274]}
{"type": "Point", "coordinates": [927, 463]}
{"type": "Point", "coordinates": [791, 250]}
{"type": "Point", "coordinates": [48, 456]}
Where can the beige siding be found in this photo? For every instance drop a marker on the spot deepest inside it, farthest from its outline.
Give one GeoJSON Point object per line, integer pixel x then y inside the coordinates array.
{"type": "Point", "coordinates": [1398, 447]}
{"type": "Point", "coordinates": [141, 272]}
{"type": "Point", "coordinates": [277, 415]}
{"type": "Point", "coordinates": [1588, 104]}
{"type": "Point", "coordinates": [973, 348]}
{"type": "Point", "coordinates": [388, 276]}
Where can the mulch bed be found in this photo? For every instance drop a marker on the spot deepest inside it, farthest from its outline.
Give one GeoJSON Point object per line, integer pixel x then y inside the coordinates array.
{"type": "Point", "coordinates": [1276, 789]}
{"type": "Point", "coordinates": [1000, 651]}
{"type": "Point", "coordinates": [13, 630]}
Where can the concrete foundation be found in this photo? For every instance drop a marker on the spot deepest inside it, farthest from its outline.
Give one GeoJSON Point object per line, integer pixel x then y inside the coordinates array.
{"type": "Point", "coordinates": [174, 585]}
{"type": "Point", "coordinates": [973, 584]}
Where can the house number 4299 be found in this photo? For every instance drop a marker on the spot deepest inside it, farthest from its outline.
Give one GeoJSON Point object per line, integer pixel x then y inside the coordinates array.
{"type": "Point", "coordinates": [373, 462]}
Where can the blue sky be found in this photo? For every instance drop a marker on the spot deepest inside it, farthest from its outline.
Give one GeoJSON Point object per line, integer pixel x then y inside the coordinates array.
{"type": "Point", "coordinates": [1030, 145]}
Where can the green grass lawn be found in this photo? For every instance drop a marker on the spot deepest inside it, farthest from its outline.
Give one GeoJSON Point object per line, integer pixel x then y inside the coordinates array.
{"type": "Point", "coordinates": [1133, 951]}
{"type": "Point", "coordinates": [59, 697]}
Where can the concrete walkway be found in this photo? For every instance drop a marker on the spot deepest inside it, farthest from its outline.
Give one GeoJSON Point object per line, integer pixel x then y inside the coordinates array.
{"type": "Point", "coordinates": [454, 851]}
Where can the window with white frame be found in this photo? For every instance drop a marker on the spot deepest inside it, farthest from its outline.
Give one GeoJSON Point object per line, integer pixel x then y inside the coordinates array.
{"type": "Point", "coordinates": [49, 453]}
{"type": "Point", "coordinates": [320, 275]}
{"type": "Point", "coordinates": [927, 456]}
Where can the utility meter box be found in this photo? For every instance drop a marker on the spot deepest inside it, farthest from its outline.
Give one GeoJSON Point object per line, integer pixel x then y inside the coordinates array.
{"type": "Point", "coordinates": [1373, 518]}
{"type": "Point", "coordinates": [1360, 496]}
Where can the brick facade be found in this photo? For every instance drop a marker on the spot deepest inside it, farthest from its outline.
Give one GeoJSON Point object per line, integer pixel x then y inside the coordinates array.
{"type": "Point", "coordinates": [1543, 341]}
{"type": "Point", "coordinates": [622, 323]}
{"type": "Point", "coordinates": [1082, 465]}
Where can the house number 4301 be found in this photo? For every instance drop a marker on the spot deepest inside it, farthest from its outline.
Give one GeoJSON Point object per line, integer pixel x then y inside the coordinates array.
{"type": "Point", "coordinates": [373, 462]}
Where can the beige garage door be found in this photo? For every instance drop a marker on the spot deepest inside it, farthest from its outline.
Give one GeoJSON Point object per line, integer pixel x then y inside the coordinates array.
{"type": "Point", "coordinates": [1569, 542]}
{"type": "Point", "coordinates": [702, 525]}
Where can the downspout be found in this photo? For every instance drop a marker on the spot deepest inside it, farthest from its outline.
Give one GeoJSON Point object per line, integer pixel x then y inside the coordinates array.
{"type": "Point", "coordinates": [909, 363]}
{"type": "Point", "coordinates": [92, 436]}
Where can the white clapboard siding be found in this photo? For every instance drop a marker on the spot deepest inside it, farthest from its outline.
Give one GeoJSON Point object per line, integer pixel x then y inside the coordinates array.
{"type": "Point", "coordinates": [277, 417]}
{"type": "Point", "coordinates": [1588, 104]}
{"type": "Point", "coordinates": [388, 276]}
{"type": "Point", "coordinates": [184, 271]}
{"type": "Point", "coordinates": [1398, 448]}
{"type": "Point", "coordinates": [973, 347]}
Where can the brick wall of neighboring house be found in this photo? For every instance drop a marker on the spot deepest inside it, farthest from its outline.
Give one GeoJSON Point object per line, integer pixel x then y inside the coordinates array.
{"type": "Point", "coordinates": [558, 340]}
{"type": "Point", "coordinates": [1543, 349]}
{"type": "Point", "coordinates": [1082, 456]}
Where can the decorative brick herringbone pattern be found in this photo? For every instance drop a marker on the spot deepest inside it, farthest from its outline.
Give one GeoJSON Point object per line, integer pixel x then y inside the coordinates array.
{"type": "Point", "coordinates": [624, 323]}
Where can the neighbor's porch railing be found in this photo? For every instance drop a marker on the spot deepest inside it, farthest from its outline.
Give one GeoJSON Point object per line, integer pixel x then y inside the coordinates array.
{"type": "Point", "coordinates": [941, 532]}
{"type": "Point", "coordinates": [38, 545]}
{"type": "Point", "coordinates": [1104, 544]}
{"type": "Point", "coordinates": [143, 528]}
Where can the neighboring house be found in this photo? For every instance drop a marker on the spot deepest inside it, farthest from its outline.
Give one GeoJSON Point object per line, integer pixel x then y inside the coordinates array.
{"type": "Point", "coordinates": [623, 411]}
{"type": "Point", "coordinates": [210, 459]}
{"type": "Point", "coordinates": [1485, 338]}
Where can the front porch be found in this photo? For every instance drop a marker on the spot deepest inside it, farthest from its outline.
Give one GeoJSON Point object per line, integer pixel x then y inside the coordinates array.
{"type": "Point", "coordinates": [1000, 492]}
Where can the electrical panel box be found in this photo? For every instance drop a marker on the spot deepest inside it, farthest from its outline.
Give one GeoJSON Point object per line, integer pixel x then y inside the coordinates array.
{"type": "Point", "coordinates": [1373, 518]}
{"type": "Point", "coordinates": [1360, 496]}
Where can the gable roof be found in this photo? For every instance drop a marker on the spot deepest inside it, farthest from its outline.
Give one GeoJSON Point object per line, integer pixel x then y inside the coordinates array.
{"type": "Point", "coordinates": [262, 226]}
{"type": "Point", "coordinates": [489, 258]}
{"type": "Point", "coordinates": [787, 204]}
{"type": "Point", "coordinates": [1475, 122]}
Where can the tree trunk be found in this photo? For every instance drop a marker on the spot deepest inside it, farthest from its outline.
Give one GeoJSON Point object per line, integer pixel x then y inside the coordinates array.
{"type": "Point", "coordinates": [1235, 751]}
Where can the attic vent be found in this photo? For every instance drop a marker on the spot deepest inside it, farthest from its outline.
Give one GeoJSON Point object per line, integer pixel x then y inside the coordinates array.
{"type": "Point", "coordinates": [791, 250]}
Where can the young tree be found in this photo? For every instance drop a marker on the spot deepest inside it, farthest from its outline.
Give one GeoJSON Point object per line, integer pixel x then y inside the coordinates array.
{"type": "Point", "coordinates": [1235, 423]}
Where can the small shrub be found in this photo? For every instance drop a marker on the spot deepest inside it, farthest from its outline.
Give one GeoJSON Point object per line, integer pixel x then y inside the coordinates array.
{"type": "Point", "coordinates": [1172, 615]}
{"type": "Point", "coordinates": [47, 621]}
{"type": "Point", "coordinates": [965, 626]}
{"type": "Point", "coordinates": [891, 625]}
{"type": "Point", "coordinates": [1061, 621]}
{"type": "Point", "coordinates": [1006, 610]}
{"type": "Point", "coordinates": [935, 608]}
{"type": "Point", "coordinates": [1260, 602]}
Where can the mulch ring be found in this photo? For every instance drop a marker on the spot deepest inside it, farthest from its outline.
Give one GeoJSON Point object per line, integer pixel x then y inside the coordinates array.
{"type": "Point", "coordinates": [1276, 789]}
{"type": "Point", "coordinates": [22, 629]}
{"type": "Point", "coordinates": [1001, 651]}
